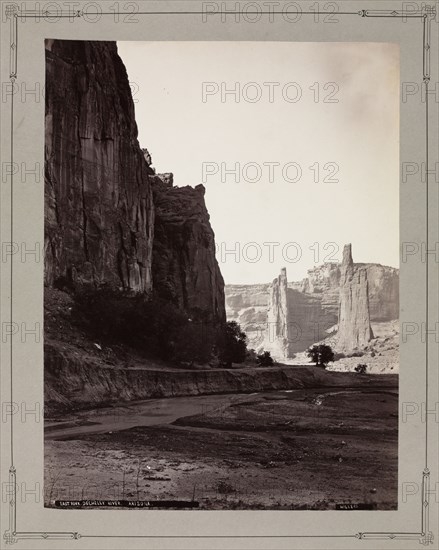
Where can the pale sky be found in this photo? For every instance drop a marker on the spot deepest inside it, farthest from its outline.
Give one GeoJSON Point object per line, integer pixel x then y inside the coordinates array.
{"type": "Point", "coordinates": [276, 128]}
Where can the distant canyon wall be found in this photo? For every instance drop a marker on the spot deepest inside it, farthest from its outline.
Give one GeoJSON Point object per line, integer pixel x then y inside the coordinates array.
{"type": "Point", "coordinates": [314, 306]}
{"type": "Point", "coordinates": [110, 220]}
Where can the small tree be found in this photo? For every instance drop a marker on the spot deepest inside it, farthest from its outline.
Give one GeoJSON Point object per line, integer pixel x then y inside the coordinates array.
{"type": "Point", "coordinates": [232, 344]}
{"type": "Point", "coordinates": [264, 359]}
{"type": "Point", "coordinates": [361, 368]}
{"type": "Point", "coordinates": [321, 355]}
{"type": "Point", "coordinates": [251, 356]}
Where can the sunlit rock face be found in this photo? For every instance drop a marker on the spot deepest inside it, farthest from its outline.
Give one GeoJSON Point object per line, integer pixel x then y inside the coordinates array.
{"type": "Point", "coordinates": [314, 305]}
{"type": "Point", "coordinates": [295, 319]}
{"type": "Point", "coordinates": [277, 336]}
{"type": "Point", "coordinates": [248, 306]}
{"type": "Point", "coordinates": [309, 320]}
{"type": "Point", "coordinates": [383, 287]}
{"type": "Point", "coordinates": [354, 328]}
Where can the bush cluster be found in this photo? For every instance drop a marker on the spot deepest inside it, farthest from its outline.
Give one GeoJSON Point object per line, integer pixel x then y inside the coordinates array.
{"type": "Point", "coordinates": [157, 328]}
{"type": "Point", "coordinates": [361, 368]}
{"type": "Point", "coordinates": [321, 354]}
{"type": "Point", "coordinates": [264, 359]}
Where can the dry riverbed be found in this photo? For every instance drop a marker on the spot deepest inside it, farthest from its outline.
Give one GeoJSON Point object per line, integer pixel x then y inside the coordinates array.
{"type": "Point", "coordinates": [301, 449]}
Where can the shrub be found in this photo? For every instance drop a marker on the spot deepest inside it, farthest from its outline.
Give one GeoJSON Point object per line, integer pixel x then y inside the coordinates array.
{"type": "Point", "coordinates": [265, 360]}
{"type": "Point", "coordinates": [361, 368]}
{"type": "Point", "coordinates": [251, 356]}
{"type": "Point", "coordinates": [321, 354]}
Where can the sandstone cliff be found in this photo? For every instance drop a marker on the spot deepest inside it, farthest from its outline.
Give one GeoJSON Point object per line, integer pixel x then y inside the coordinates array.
{"type": "Point", "coordinates": [310, 320]}
{"type": "Point", "coordinates": [313, 305]}
{"type": "Point", "coordinates": [185, 269]}
{"type": "Point", "coordinates": [383, 284]}
{"type": "Point", "coordinates": [354, 329]}
{"type": "Point", "coordinates": [248, 305]}
{"type": "Point", "coordinates": [99, 214]}
{"type": "Point", "coordinates": [323, 281]}
{"type": "Point", "coordinates": [295, 319]}
{"type": "Point", "coordinates": [109, 218]}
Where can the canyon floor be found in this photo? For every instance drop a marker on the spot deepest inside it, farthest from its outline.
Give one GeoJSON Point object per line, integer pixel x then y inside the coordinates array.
{"type": "Point", "coordinates": [380, 355]}
{"type": "Point", "coordinates": [288, 437]}
{"type": "Point", "coordinates": [301, 449]}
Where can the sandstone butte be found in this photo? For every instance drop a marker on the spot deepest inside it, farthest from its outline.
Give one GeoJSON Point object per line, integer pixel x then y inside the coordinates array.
{"type": "Point", "coordinates": [336, 301]}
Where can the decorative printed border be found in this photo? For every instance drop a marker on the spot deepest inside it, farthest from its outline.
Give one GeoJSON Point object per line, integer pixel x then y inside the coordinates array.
{"type": "Point", "coordinates": [427, 13]}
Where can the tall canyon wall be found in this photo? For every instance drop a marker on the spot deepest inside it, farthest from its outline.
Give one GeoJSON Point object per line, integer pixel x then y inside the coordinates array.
{"type": "Point", "coordinates": [185, 270]}
{"type": "Point", "coordinates": [99, 214]}
{"type": "Point", "coordinates": [109, 219]}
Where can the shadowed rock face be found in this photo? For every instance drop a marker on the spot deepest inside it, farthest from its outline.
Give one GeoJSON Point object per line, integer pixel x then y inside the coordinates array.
{"type": "Point", "coordinates": [354, 330]}
{"type": "Point", "coordinates": [99, 214]}
{"type": "Point", "coordinates": [185, 270]}
{"type": "Point", "coordinates": [109, 218]}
